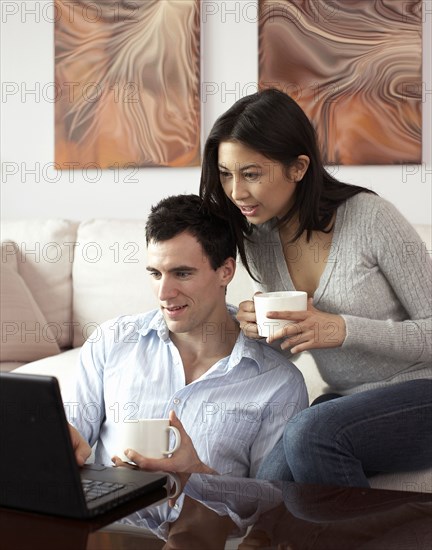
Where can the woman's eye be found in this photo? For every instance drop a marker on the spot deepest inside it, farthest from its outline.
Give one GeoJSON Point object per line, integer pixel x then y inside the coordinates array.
{"type": "Point", "coordinates": [252, 176]}
{"type": "Point", "coordinates": [224, 175]}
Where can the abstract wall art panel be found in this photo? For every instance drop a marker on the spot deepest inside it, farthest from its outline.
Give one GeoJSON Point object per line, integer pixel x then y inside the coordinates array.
{"type": "Point", "coordinates": [127, 83]}
{"type": "Point", "coordinates": [354, 66]}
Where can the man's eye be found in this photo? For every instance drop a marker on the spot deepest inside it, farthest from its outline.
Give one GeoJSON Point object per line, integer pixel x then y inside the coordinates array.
{"type": "Point", "coordinates": [154, 274]}
{"type": "Point", "coordinates": [183, 274]}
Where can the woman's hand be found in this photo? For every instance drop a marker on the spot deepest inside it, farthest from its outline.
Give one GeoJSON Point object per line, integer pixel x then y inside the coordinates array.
{"type": "Point", "coordinates": [247, 319]}
{"type": "Point", "coordinates": [311, 329]}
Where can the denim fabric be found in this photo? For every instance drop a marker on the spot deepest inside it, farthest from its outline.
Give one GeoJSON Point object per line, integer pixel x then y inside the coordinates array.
{"type": "Point", "coordinates": [347, 439]}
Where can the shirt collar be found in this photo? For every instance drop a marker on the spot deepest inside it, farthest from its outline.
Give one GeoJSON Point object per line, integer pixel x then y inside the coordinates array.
{"type": "Point", "coordinates": [246, 348]}
{"type": "Point", "coordinates": [156, 323]}
{"type": "Point", "coordinates": [243, 348]}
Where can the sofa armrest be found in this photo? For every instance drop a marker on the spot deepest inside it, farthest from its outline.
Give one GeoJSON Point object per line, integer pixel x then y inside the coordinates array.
{"type": "Point", "coordinates": [62, 366]}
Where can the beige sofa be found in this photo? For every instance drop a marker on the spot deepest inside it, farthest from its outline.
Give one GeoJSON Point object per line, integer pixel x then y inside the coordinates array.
{"type": "Point", "coordinates": [61, 279]}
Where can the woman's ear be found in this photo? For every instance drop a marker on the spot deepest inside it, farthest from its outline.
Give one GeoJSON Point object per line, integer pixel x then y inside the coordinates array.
{"type": "Point", "coordinates": [298, 168]}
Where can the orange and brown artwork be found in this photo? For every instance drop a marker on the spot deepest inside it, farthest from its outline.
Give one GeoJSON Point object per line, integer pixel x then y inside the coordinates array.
{"type": "Point", "coordinates": [354, 66]}
{"type": "Point", "coordinates": [127, 83]}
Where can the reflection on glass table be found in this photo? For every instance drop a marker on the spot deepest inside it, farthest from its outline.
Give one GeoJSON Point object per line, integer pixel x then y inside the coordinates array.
{"type": "Point", "coordinates": [216, 512]}
{"type": "Point", "coordinates": [221, 512]}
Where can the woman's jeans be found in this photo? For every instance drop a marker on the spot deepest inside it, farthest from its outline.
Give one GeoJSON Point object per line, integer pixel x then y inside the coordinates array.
{"type": "Point", "coordinates": [345, 440]}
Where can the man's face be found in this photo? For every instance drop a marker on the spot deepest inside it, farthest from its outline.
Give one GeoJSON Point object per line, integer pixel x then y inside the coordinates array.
{"type": "Point", "coordinates": [190, 292]}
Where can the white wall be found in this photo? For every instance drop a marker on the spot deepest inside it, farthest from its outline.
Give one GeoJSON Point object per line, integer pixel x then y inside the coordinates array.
{"type": "Point", "coordinates": [229, 71]}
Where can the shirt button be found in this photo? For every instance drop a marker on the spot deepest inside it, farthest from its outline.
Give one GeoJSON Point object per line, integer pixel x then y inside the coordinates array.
{"type": "Point", "coordinates": [176, 401]}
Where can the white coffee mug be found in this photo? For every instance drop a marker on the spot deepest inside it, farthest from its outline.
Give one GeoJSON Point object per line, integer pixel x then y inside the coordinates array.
{"type": "Point", "coordinates": [277, 301]}
{"type": "Point", "coordinates": [149, 437]}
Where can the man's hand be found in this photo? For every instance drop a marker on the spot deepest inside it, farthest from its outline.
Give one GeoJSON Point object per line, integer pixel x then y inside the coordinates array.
{"type": "Point", "coordinates": [184, 460]}
{"type": "Point", "coordinates": [80, 446]}
{"type": "Point", "coordinates": [311, 329]}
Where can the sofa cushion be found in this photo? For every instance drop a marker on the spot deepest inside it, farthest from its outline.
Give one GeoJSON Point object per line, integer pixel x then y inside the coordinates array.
{"type": "Point", "coordinates": [109, 274]}
{"type": "Point", "coordinates": [425, 233]}
{"type": "Point", "coordinates": [9, 252]}
{"type": "Point", "coordinates": [419, 481]}
{"type": "Point", "coordinates": [25, 333]}
{"type": "Point", "coordinates": [110, 277]}
{"type": "Point", "coordinates": [241, 287]}
{"type": "Point", "coordinates": [9, 366]}
{"type": "Point", "coordinates": [44, 256]}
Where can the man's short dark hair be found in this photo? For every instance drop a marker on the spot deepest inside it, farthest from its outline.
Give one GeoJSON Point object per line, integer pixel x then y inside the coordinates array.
{"type": "Point", "coordinates": [179, 213]}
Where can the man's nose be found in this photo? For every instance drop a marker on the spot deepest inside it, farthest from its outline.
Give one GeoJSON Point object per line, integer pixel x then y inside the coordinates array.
{"type": "Point", "coordinates": [167, 289]}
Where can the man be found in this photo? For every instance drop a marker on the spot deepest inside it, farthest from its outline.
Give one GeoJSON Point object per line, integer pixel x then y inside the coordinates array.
{"type": "Point", "coordinates": [188, 360]}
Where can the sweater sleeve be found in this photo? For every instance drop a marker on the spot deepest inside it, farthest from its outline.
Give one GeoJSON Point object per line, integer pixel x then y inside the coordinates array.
{"type": "Point", "coordinates": [406, 263]}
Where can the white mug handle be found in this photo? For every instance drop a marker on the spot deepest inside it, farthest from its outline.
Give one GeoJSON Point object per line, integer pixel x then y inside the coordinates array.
{"type": "Point", "coordinates": [173, 484]}
{"type": "Point", "coordinates": [177, 442]}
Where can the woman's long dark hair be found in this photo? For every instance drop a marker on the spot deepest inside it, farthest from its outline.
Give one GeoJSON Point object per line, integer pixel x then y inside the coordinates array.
{"type": "Point", "coordinates": [274, 125]}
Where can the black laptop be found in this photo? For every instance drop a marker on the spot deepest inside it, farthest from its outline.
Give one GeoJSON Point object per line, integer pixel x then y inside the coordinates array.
{"type": "Point", "coordinates": [38, 470]}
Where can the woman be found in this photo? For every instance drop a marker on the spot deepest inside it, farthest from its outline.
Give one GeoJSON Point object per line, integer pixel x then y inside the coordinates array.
{"type": "Point", "coordinates": [369, 282]}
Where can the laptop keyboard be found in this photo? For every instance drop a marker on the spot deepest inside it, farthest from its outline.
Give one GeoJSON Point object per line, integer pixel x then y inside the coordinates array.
{"type": "Point", "coordinates": [96, 489]}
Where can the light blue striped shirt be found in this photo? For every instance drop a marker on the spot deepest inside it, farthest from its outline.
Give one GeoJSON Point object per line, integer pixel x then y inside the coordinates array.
{"type": "Point", "coordinates": [234, 413]}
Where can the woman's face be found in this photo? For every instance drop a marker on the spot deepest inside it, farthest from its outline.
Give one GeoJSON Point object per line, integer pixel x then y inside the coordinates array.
{"type": "Point", "coordinates": [260, 187]}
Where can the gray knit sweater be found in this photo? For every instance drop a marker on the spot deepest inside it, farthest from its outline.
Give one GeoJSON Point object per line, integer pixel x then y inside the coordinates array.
{"type": "Point", "coordinates": [379, 278]}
